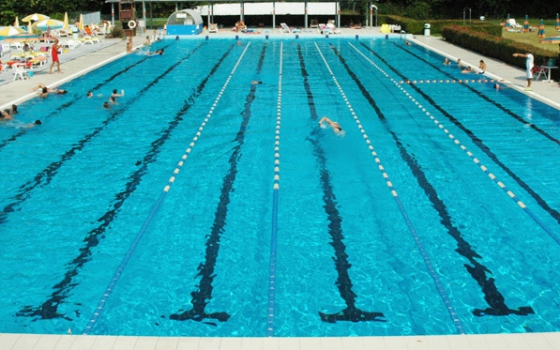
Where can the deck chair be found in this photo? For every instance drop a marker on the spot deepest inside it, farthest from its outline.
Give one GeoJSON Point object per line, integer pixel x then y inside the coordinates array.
{"type": "Point", "coordinates": [513, 24]}
{"type": "Point", "coordinates": [323, 29]}
{"type": "Point", "coordinates": [89, 40]}
{"type": "Point", "coordinates": [285, 28]}
{"type": "Point", "coordinates": [19, 71]}
{"type": "Point", "coordinates": [314, 23]}
{"type": "Point", "coordinates": [16, 45]}
{"type": "Point", "coordinates": [332, 28]}
{"type": "Point", "coordinates": [213, 28]}
{"type": "Point", "coordinates": [71, 44]}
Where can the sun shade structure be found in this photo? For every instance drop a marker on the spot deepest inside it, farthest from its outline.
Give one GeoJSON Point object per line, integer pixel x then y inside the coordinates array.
{"type": "Point", "coordinates": [9, 31]}
{"type": "Point", "coordinates": [185, 22]}
{"type": "Point", "coordinates": [256, 7]}
{"type": "Point", "coordinates": [34, 17]}
{"type": "Point", "coordinates": [541, 34]}
{"type": "Point", "coordinates": [53, 23]}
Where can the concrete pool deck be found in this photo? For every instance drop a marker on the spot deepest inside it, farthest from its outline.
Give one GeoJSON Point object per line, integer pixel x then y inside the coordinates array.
{"type": "Point", "coordinates": [92, 57]}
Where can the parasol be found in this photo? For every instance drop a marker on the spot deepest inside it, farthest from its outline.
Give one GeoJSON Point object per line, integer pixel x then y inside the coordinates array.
{"type": "Point", "coordinates": [540, 33]}
{"type": "Point", "coordinates": [11, 30]}
{"type": "Point", "coordinates": [34, 17]}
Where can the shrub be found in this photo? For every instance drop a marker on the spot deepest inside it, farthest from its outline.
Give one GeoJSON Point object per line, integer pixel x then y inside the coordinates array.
{"type": "Point", "coordinates": [116, 32]}
{"type": "Point", "coordinates": [414, 26]}
{"type": "Point", "coordinates": [493, 46]}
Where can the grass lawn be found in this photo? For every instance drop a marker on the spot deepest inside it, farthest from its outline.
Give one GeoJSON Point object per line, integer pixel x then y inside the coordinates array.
{"type": "Point", "coordinates": [531, 37]}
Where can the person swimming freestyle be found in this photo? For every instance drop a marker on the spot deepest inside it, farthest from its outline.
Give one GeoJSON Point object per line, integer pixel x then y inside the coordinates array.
{"type": "Point", "coordinates": [336, 128]}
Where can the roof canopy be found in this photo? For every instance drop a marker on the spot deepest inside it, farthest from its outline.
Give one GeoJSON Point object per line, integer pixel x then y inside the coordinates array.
{"type": "Point", "coordinates": [268, 8]}
{"type": "Point", "coordinates": [185, 17]}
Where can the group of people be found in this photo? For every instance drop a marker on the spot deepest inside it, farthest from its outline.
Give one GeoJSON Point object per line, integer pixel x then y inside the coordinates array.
{"type": "Point", "coordinates": [7, 115]}
{"type": "Point", "coordinates": [112, 98]}
{"type": "Point", "coordinates": [529, 66]}
{"type": "Point", "coordinates": [466, 69]}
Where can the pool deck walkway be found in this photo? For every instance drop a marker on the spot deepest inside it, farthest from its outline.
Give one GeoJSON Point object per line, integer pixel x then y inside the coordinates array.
{"type": "Point", "coordinates": [91, 57]}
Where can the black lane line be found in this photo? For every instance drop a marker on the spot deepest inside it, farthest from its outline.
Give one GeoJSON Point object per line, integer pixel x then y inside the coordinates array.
{"type": "Point", "coordinates": [46, 175]}
{"type": "Point", "coordinates": [478, 142]}
{"type": "Point", "coordinates": [203, 295]}
{"type": "Point", "coordinates": [488, 99]}
{"type": "Point", "coordinates": [49, 309]}
{"type": "Point", "coordinates": [68, 104]}
{"type": "Point", "coordinates": [344, 282]}
{"type": "Point", "coordinates": [493, 297]}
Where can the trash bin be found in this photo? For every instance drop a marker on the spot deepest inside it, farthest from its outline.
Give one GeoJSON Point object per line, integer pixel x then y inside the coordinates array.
{"type": "Point", "coordinates": [427, 27]}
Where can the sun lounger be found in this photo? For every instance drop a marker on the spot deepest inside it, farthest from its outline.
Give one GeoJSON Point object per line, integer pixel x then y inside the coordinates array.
{"type": "Point", "coordinates": [89, 40]}
{"type": "Point", "coordinates": [71, 44]}
{"type": "Point", "coordinates": [513, 24]}
{"type": "Point", "coordinates": [285, 28]}
{"type": "Point", "coordinates": [323, 29]}
{"type": "Point", "coordinates": [5, 48]}
{"type": "Point", "coordinates": [332, 28]}
{"type": "Point", "coordinates": [213, 28]}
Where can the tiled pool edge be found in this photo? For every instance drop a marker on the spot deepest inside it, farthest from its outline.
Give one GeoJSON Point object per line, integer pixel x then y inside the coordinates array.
{"type": "Point", "coordinates": [540, 341]}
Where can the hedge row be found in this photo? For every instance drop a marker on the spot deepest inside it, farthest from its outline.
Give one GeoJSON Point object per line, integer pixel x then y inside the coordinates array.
{"type": "Point", "coordinates": [413, 26]}
{"type": "Point", "coordinates": [494, 46]}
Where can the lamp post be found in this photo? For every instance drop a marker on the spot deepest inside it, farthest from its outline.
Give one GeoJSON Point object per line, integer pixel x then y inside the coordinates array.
{"type": "Point", "coordinates": [470, 23]}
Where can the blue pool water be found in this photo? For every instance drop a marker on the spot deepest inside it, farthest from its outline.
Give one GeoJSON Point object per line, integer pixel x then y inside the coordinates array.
{"type": "Point", "coordinates": [206, 205]}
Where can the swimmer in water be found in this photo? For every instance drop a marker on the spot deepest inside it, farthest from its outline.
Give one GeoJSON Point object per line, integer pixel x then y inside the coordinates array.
{"type": "Point", "coordinates": [336, 128]}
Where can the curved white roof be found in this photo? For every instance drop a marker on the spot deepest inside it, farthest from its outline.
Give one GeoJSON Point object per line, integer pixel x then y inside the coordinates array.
{"type": "Point", "coordinates": [186, 16]}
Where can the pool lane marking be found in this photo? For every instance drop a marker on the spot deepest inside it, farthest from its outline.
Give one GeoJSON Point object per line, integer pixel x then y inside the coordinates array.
{"type": "Point", "coordinates": [68, 104]}
{"type": "Point", "coordinates": [427, 261]}
{"type": "Point", "coordinates": [495, 300]}
{"type": "Point", "coordinates": [440, 125]}
{"type": "Point", "coordinates": [334, 219]}
{"type": "Point", "coordinates": [201, 296]}
{"type": "Point", "coordinates": [105, 297]}
{"type": "Point", "coordinates": [274, 234]}
{"type": "Point", "coordinates": [46, 175]}
{"type": "Point", "coordinates": [49, 308]}
{"type": "Point", "coordinates": [489, 100]}
{"type": "Point", "coordinates": [477, 141]}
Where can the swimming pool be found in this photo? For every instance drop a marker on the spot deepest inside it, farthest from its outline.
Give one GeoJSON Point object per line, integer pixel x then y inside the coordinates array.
{"type": "Point", "coordinates": [206, 205]}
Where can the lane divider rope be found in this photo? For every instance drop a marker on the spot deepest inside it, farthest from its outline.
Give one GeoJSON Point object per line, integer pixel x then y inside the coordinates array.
{"type": "Point", "coordinates": [103, 301]}
{"type": "Point", "coordinates": [274, 235]}
{"type": "Point", "coordinates": [482, 167]}
{"type": "Point", "coordinates": [451, 81]}
{"type": "Point", "coordinates": [427, 261]}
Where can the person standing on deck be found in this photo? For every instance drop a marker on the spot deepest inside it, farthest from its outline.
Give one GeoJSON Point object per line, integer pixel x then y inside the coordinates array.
{"type": "Point", "coordinates": [54, 54]}
{"type": "Point", "coordinates": [529, 64]}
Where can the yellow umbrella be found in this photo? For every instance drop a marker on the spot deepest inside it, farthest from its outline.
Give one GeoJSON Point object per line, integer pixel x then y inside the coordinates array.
{"type": "Point", "coordinates": [9, 31]}
{"type": "Point", "coordinates": [81, 25]}
{"type": "Point", "coordinates": [65, 24]}
{"type": "Point", "coordinates": [35, 17]}
{"type": "Point", "coordinates": [16, 23]}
